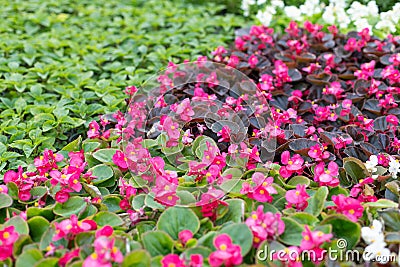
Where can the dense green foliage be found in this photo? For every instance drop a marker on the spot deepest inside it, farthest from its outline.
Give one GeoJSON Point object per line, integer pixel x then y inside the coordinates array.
{"type": "Point", "coordinates": [64, 63]}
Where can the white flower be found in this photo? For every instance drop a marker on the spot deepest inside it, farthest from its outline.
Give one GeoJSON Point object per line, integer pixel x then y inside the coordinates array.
{"type": "Point", "coordinates": [265, 17]}
{"type": "Point", "coordinates": [377, 251]}
{"type": "Point", "coordinates": [246, 6]}
{"type": "Point", "coordinates": [374, 233]}
{"type": "Point", "coordinates": [371, 163]}
{"type": "Point", "coordinates": [277, 3]}
{"type": "Point", "coordinates": [329, 14]}
{"type": "Point", "coordinates": [362, 24]}
{"type": "Point", "coordinates": [394, 167]}
{"type": "Point", "coordinates": [293, 12]}
{"type": "Point", "coordinates": [310, 7]}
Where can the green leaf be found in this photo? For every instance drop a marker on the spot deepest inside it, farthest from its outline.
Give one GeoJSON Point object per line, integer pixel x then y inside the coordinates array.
{"type": "Point", "coordinates": [343, 228]}
{"type": "Point", "coordinates": [73, 205]}
{"type": "Point", "coordinates": [241, 235]}
{"type": "Point", "coordinates": [137, 258]}
{"type": "Point", "coordinates": [105, 154]}
{"type": "Point", "coordinates": [381, 204]}
{"type": "Point", "coordinates": [107, 218]}
{"type": "Point", "coordinates": [74, 145]}
{"type": "Point", "coordinates": [355, 168]}
{"type": "Point", "coordinates": [5, 201]}
{"type": "Point", "coordinates": [102, 173]}
{"type": "Point", "coordinates": [292, 234]}
{"type": "Point", "coordinates": [297, 180]}
{"type": "Point", "coordinates": [175, 219]}
{"type": "Point", "coordinates": [47, 262]}
{"type": "Point", "coordinates": [317, 201]}
{"type": "Point", "coordinates": [236, 208]}
{"type": "Point", "coordinates": [304, 218]}
{"type": "Point", "coordinates": [157, 243]}
{"type": "Point", "coordinates": [20, 225]}
{"type": "Point", "coordinates": [90, 146]}
{"type": "Point", "coordinates": [28, 258]}
{"type": "Point", "coordinates": [37, 226]}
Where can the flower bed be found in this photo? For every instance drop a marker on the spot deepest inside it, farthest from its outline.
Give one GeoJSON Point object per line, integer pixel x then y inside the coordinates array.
{"type": "Point", "coordinates": [206, 167]}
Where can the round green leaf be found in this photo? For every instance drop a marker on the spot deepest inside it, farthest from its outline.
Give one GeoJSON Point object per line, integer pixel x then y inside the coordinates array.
{"type": "Point", "coordinates": [175, 219]}
{"type": "Point", "coordinates": [102, 173]}
{"type": "Point", "coordinates": [241, 235]}
{"type": "Point", "coordinates": [105, 155]}
{"type": "Point", "coordinates": [157, 243]}
{"type": "Point", "coordinates": [73, 206]}
{"type": "Point", "coordinates": [29, 258]}
{"type": "Point", "coordinates": [20, 225]}
{"type": "Point", "coordinates": [342, 227]}
{"type": "Point", "coordinates": [5, 201]}
{"type": "Point", "coordinates": [292, 235]}
{"type": "Point", "coordinates": [37, 226]}
{"type": "Point", "coordinates": [137, 258]}
{"type": "Point", "coordinates": [317, 201]}
{"type": "Point", "coordinates": [107, 218]}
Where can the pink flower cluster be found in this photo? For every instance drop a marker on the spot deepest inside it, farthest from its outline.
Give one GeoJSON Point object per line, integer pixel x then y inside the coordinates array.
{"type": "Point", "coordinates": [227, 254]}
{"type": "Point", "coordinates": [265, 226]}
{"type": "Point", "coordinates": [8, 236]}
{"type": "Point", "coordinates": [262, 188]}
{"type": "Point", "coordinates": [105, 252]}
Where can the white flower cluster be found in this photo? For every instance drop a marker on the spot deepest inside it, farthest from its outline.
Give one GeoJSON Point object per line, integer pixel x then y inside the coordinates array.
{"type": "Point", "coordinates": [372, 163]}
{"type": "Point", "coordinates": [374, 237]}
{"type": "Point", "coordinates": [338, 12]}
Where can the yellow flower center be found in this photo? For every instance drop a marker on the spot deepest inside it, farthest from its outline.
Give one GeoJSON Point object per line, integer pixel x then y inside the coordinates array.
{"type": "Point", "coordinates": [94, 256]}
{"type": "Point", "coordinates": [297, 193]}
{"type": "Point", "coordinates": [351, 211]}
{"type": "Point", "coordinates": [254, 216]}
{"type": "Point", "coordinates": [172, 127]}
{"type": "Point", "coordinates": [256, 240]}
{"type": "Point", "coordinates": [63, 176]}
{"type": "Point", "coordinates": [6, 235]}
{"type": "Point", "coordinates": [69, 227]}
{"type": "Point", "coordinates": [75, 181]}
{"type": "Point", "coordinates": [166, 187]}
{"type": "Point", "coordinates": [169, 198]}
{"type": "Point", "coordinates": [262, 192]}
{"type": "Point", "coordinates": [223, 247]}
{"type": "Point", "coordinates": [290, 162]}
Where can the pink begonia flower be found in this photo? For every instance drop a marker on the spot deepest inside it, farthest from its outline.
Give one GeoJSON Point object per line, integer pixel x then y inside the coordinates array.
{"type": "Point", "coordinates": [335, 89]}
{"type": "Point", "coordinates": [187, 137]}
{"type": "Point", "coordinates": [225, 134]}
{"type": "Point", "coordinates": [120, 160]}
{"type": "Point", "coordinates": [253, 61]}
{"type": "Point", "coordinates": [105, 253]}
{"type": "Point", "coordinates": [227, 253]}
{"type": "Point", "coordinates": [233, 61]}
{"type": "Point", "coordinates": [297, 197]}
{"type": "Point", "coordinates": [3, 189]}
{"type": "Point", "coordinates": [47, 161]}
{"type": "Point", "coordinates": [341, 142]}
{"type": "Point", "coordinates": [196, 260]}
{"type": "Point", "coordinates": [185, 235]}
{"type": "Point", "coordinates": [172, 130]}
{"type": "Point", "coordinates": [291, 164]}
{"type": "Point", "coordinates": [8, 236]}
{"type": "Point", "coordinates": [264, 225]}
{"type": "Point", "coordinates": [172, 260]}
{"type": "Point", "coordinates": [183, 109]}
{"type": "Point", "coordinates": [262, 189]}
{"type": "Point", "coordinates": [130, 90]}
{"type": "Point", "coordinates": [326, 177]}
{"type": "Point", "coordinates": [367, 70]}
{"type": "Point", "coordinates": [93, 131]}
{"type": "Point", "coordinates": [312, 242]}
{"type": "Point", "coordinates": [69, 228]}
{"type": "Point", "coordinates": [317, 152]}
{"type": "Point", "coordinates": [392, 119]}
{"type": "Point", "coordinates": [358, 192]}
{"type": "Point", "coordinates": [348, 206]}
{"type": "Point", "coordinates": [210, 201]}
{"type": "Point", "coordinates": [63, 261]}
